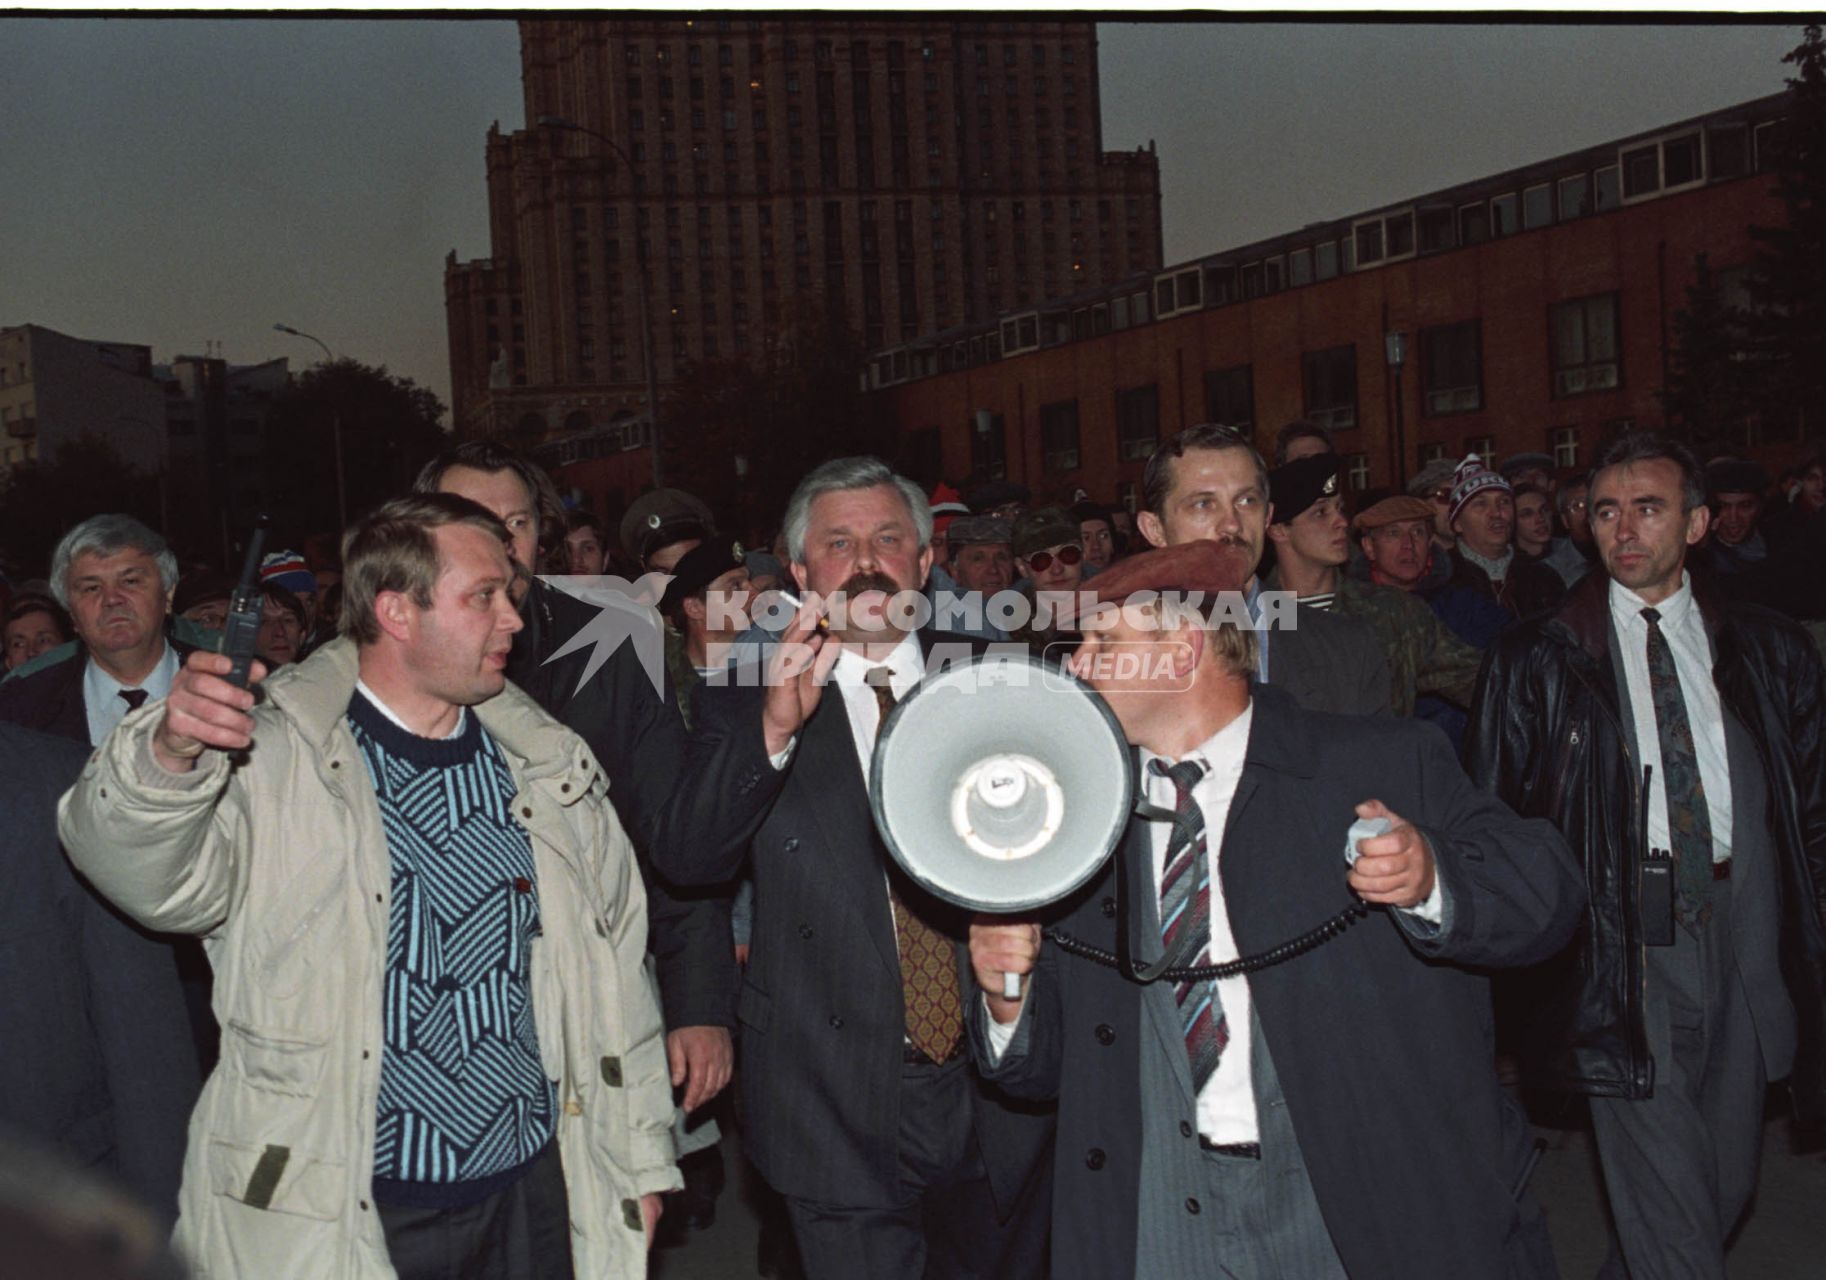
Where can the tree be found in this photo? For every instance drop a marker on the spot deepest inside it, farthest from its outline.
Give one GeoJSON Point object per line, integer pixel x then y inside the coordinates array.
{"type": "Point", "coordinates": [40, 501]}
{"type": "Point", "coordinates": [390, 427]}
{"type": "Point", "coordinates": [1787, 322]}
{"type": "Point", "coordinates": [798, 404]}
{"type": "Point", "coordinates": [1708, 395]}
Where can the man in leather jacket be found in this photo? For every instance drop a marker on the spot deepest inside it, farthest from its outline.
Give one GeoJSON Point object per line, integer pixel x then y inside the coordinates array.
{"type": "Point", "coordinates": [1671, 1019]}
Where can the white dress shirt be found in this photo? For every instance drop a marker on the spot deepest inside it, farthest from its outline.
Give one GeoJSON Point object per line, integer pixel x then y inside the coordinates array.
{"type": "Point", "coordinates": [1692, 650]}
{"type": "Point", "coordinates": [849, 677]}
{"type": "Point", "coordinates": [101, 693]}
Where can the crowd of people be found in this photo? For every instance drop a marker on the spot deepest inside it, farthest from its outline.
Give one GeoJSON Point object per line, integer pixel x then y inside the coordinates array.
{"type": "Point", "coordinates": [434, 949]}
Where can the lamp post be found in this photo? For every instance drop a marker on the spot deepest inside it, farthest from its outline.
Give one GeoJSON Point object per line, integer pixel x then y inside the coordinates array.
{"type": "Point", "coordinates": [1395, 347]}
{"type": "Point", "coordinates": [342, 505]}
{"type": "Point", "coordinates": [640, 288]}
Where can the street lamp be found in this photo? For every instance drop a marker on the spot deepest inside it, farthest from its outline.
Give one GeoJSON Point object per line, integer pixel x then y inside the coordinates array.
{"type": "Point", "coordinates": [1395, 347]}
{"type": "Point", "coordinates": [342, 505]}
{"type": "Point", "coordinates": [640, 286]}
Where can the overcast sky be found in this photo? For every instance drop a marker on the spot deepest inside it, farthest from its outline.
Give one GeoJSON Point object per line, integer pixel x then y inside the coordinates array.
{"type": "Point", "coordinates": [174, 181]}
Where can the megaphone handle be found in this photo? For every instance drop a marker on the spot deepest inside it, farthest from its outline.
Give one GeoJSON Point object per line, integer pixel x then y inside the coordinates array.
{"type": "Point", "coordinates": [1011, 986]}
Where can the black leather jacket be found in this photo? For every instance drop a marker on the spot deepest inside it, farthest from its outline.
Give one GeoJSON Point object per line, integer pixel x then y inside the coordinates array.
{"type": "Point", "coordinates": [1547, 736]}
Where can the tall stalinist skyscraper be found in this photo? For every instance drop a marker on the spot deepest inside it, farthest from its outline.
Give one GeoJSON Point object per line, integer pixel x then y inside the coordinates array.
{"type": "Point", "coordinates": [903, 175]}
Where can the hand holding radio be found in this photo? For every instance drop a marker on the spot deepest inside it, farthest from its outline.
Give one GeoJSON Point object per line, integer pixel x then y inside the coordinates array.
{"type": "Point", "coordinates": [1392, 869]}
{"type": "Point", "coordinates": [205, 709]}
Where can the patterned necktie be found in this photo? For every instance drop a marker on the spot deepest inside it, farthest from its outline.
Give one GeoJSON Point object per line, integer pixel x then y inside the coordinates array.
{"type": "Point", "coordinates": [134, 698]}
{"type": "Point", "coordinates": [1688, 818]}
{"type": "Point", "coordinates": [929, 987]}
{"type": "Point", "coordinates": [1185, 912]}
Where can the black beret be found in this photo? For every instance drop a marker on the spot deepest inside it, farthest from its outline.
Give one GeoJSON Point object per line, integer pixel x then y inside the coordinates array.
{"type": "Point", "coordinates": [1735, 475]}
{"type": "Point", "coordinates": [1295, 486]}
{"type": "Point", "coordinates": [698, 568]}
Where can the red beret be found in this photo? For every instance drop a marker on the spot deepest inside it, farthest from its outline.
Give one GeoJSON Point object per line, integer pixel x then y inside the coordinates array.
{"type": "Point", "coordinates": [1206, 566]}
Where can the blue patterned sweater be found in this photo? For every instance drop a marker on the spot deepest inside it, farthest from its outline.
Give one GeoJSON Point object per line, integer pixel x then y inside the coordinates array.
{"type": "Point", "coordinates": [465, 1104]}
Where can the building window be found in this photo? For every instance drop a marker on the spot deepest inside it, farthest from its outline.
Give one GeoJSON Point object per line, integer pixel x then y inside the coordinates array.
{"type": "Point", "coordinates": [1426, 453]}
{"type": "Point", "coordinates": [1299, 267]}
{"type": "Point", "coordinates": [1330, 378]}
{"type": "Point", "coordinates": [1451, 369]}
{"type": "Point", "coordinates": [1369, 242]}
{"type": "Point", "coordinates": [1436, 229]}
{"type": "Point", "coordinates": [1473, 223]}
{"type": "Point", "coordinates": [1325, 260]}
{"type": "Point", "coordinates": [1059, 435]}
{"type": "Point", "coordinates": [1356, 471]}
{"type": "Point", "coordinates": [1484, 447]}
{"type": "Point", "coordinates": [1728, 151]}
{"type": "Point", "coordinates": [1564, 442]}
{"type": "Point", "coordinates": [1137, 422]}
{"type": "Point", "coordinates": [1585, 345]}
{"type": "Point", "coordinates": [1537, 206]}
{"type": "Point", "coordinates": [1505, 215]}
{"type": "Point", "coordinates": [1575, 196]}
{"type": "Point", "coordinates": [1230, 397]}
{"type": "Point", "coordinates": [1641, 172]}
{"type": "Point", "coordinates": [1608, 189]}
{"type": "Point", "coordinates": [989, 447]}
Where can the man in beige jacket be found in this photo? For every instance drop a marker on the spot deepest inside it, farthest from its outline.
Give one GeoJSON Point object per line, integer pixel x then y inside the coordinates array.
{"type": "Point", "coordinates": [440, 1053]}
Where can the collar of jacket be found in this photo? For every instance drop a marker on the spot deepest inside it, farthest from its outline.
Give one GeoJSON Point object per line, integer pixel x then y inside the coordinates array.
{"type": "Point", "coordinates": [1584, 620]}
{"type": "Point", "coordinates": [314, 694]}
{"type": "Point", "coordinates": [1280, 737]}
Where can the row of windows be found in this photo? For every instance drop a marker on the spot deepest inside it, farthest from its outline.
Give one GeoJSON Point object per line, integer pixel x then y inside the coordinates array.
{"type": "Point", "coordinates": [1585, 358]}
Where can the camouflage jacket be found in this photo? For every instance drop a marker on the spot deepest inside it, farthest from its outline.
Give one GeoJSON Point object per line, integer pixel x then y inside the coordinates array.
{"type": "Point", "coordinates": [1424, 656]}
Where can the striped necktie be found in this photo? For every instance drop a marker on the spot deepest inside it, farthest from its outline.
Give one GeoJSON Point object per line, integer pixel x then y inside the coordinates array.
{"type": "Point", "coordinates": [1185, 911]}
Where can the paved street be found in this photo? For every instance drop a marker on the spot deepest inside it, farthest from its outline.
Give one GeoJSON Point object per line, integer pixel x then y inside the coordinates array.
{"type": "Point", "coordinates": [1784, 1238]}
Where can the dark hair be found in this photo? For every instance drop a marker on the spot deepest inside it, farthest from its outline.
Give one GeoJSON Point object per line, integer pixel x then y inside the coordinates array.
{"type": "Point", "coordinates": [1299, 429]}
{"type": "Point", "coordinates": [30, 603]}
{"type": "Point", "coordinates": [491, 456]}
{"type": "Point", "coordinates": [581, 519]}
{"type": "Point", "coordinates": [1157, 476]}
{"type": "Point", "coordinates": [391, 549]}
{"type": "Point", "coordinates": [1651, 446]}
{"type": "Point", "coordinates": [285, 600]}
{"type": "Point", "coordinates": [1522, 490]}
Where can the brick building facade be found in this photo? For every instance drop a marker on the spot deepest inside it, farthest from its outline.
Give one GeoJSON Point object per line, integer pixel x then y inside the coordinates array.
{"type": "Point", "coordinates": [902, 175]}
{"type": "Point", "coordinates": [1535, 309]}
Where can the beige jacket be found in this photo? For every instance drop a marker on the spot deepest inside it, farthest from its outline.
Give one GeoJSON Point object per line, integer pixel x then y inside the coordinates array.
{"type": "Point", "coordinates": [281, 865]}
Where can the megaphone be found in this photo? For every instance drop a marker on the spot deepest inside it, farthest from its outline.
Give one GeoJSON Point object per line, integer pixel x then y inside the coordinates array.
{"type": "Point", "coordinates": [1001, 784]}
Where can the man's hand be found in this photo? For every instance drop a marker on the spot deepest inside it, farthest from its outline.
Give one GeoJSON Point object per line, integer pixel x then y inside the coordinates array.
{"type": "Point", "coordinates": [204, 710]}
{"type": "Point", "coordinates": [999, 945]}
{"type": "Point", "coordinates": [796, 672]}
{"type": "Point", "coordinates": [651, 1206]}
{"type": "Point", "coordinates": [702, 1060]}
{"type": "Point", "coordinates": [1395, 868]}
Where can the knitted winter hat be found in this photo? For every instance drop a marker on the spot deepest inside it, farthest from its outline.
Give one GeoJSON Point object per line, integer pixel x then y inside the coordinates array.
{"type": "Point", "coordinates": [1471, 479]}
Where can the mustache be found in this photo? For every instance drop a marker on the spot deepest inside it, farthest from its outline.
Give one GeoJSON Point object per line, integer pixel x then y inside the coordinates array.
{"type": "Point", "coordinates": [868, 580]}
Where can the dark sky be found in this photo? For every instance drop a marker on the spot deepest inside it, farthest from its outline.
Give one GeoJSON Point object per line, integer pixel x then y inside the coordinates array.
{"type": "Point", "coordinates": [174, 181]}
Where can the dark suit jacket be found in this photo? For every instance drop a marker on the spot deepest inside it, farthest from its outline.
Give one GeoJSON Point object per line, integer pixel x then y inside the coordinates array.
{"type": "Point", "coordinates": [1382, 1042]}
{"type": "Point", "coordinates": [820, 1003]}
{"type": "Point", "coordinates": [97, 1056]}
{"type": "Point", "coordinates": [50, 699]}
{"type": "Point", "coordinates": [1329, 663]}
{"type": "Point", "coordinates": [639, 739]}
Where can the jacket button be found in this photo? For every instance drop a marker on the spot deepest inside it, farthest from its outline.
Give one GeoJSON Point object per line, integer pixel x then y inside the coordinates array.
{"type": "Point", "coordinates": [836, 1023]}
{"type": "Point", "coordinates": [526, 813]}
{"type": "Point", "coordinates": [1185, 1128]}
{"type": "Point", "coordinates": [565, 788]}
{"type": "Point", "coordinates": [1192, 1205]}
{"type": "Point", "coordinates": [805, 931]}
{"type": "Point", "coordinates": [1094, 1158]}
{"type": "Point", "coordinates": [789, 844]}
{"type": "Point", "coordinates": [522, 885]}
{"type": "Point", "coordinates": [1109, 908]}
{"type": "Point", "coordinates": [364, 1205]}
{"type": "Point", "coordinates": [335, 764]}
{"type": "Point", "coordinates": [1106, 1034]}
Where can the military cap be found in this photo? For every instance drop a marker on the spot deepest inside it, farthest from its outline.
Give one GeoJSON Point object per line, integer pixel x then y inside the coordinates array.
{"type": "Point", "coordinates": [1041, 528]}
{"type": "Point", "coordinates": [661, 517]}
{"type": "Point", "coordinates": [698, 568]}
{"type": "Point", "coordinates": [968, 529]}
{"type": "Point", "coordinates": [1525, 462]}
{"type": "Point", "coordinates": [1391, 510]}
{"type": "Point", "coordinates": [1295, 486]}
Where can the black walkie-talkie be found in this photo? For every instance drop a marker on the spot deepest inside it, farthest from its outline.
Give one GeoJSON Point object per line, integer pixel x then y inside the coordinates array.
{"type": "Point", "coordinates": [1654, 882]}
{"type": "Point", "coordinates": [242, 627]}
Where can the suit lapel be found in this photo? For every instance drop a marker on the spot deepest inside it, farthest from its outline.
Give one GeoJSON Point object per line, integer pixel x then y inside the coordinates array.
{"type": "Point", "coordinates": [839, 799]}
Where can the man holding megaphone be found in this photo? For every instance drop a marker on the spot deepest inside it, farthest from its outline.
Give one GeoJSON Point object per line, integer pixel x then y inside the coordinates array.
{"type": "Point", "coordinates": [1332, 1111]}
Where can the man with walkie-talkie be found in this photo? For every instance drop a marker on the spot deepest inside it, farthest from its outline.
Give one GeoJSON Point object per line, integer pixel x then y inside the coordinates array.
{"type": "Point", "coordinates": [1679, 743]}
{"type": "Point", "coordinates": [1325, 1106]}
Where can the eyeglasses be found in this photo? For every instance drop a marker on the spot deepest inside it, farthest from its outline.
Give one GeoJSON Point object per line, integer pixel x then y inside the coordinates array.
{"type": "Point", "coordinates": [1041, 561]}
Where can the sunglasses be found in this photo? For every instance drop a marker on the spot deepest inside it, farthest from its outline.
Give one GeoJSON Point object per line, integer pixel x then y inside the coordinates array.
{"type": "Point", "coordinates": [1041, 561]}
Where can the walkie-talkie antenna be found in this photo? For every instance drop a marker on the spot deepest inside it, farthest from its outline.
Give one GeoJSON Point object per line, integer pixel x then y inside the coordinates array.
{"type": "Point", "coordinates": [242, 627]}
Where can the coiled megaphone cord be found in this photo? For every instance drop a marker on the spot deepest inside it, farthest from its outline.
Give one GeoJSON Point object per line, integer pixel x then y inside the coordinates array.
{"type": "Point", "coordinates": [1299, 946]}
